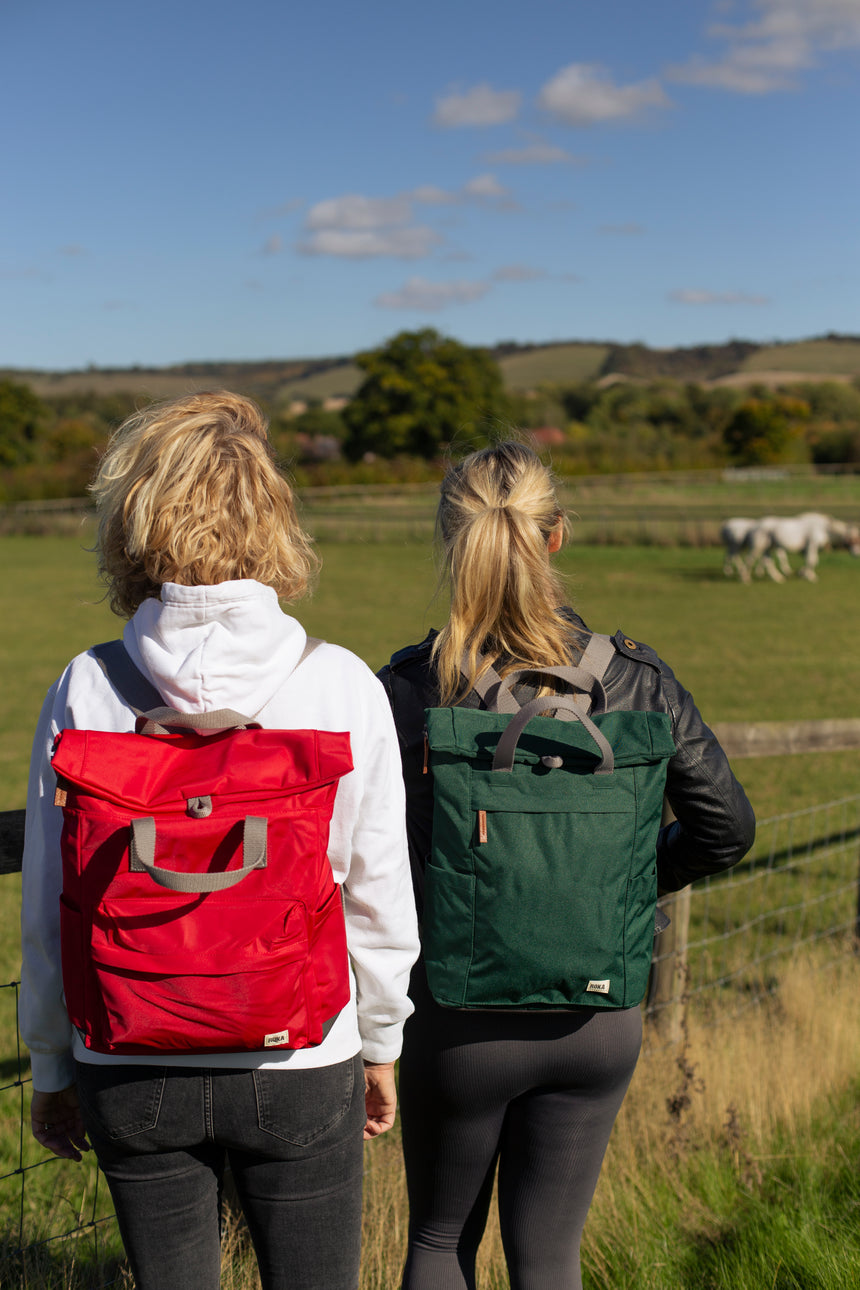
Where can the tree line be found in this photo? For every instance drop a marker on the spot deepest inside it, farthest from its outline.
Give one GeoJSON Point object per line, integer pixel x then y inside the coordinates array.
{"type": "Point", "coordinates": [423, 395]}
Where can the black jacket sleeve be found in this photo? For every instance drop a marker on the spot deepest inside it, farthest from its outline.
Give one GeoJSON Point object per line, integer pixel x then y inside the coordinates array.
{"type": "Point", "coordinates": [714, 824]}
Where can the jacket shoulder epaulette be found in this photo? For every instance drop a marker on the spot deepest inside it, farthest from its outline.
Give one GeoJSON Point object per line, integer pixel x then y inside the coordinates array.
{"type": "Point", "coordinates": [635, 650]}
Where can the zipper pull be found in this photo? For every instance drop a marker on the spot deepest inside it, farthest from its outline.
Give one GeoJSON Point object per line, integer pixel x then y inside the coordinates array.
{"type": "Point", "coordinates": [426, 752]}
{"type": "Point", "coordinates": [482, 826]}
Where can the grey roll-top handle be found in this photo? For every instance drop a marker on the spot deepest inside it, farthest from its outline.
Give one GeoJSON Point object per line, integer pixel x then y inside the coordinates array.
{"type": "Point", "coordinates": [506, 748]}
{"type": "Point", "coordinates": [586, 678]}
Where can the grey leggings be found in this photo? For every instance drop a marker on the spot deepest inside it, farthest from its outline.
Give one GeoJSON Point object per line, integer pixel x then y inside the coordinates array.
{"type": "Point", "coordinates": [536, 1092]}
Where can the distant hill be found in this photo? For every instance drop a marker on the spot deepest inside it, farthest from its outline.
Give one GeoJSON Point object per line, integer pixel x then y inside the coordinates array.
{"type": "Point", "coordinates": [525, 367]}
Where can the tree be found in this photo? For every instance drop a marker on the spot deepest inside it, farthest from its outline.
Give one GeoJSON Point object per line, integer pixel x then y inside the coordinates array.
{"type": "Point", "coordinates": [22, 416]}
{"type": "Point", "coordinates": [766, 430]}
{"type": "Point", "coordinates": [421, 391]}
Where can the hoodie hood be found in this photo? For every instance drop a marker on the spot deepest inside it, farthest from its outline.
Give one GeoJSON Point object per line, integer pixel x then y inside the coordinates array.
{"type": "Point", "coordinates": [225, 646]}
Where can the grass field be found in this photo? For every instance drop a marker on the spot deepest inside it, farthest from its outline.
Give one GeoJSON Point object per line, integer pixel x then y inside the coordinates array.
{"type": "Point", "coordinates": [552, 365]}
{"type": "Point", "coordinates": [823, 357]}
{"type": "Point", "coordinates": [638, 510]}
{"type": "Point", "coordinates": [757, 652]}
{"type": "Point", "coordinates": [337, 382]}
{"type": "Point", "coordinates": [685, 1200]}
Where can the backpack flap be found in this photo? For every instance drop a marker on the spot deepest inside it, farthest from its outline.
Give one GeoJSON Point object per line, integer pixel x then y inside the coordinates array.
{"type": "Point", "coordinates": [199, 909]}
{"type": "Point", "coordinates": [541, 885]}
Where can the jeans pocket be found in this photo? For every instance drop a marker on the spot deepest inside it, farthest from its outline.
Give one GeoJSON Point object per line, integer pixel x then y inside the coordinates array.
{"type": "Point", "coordinates": [120, 1101]}
{"type": "Point", "coordinates": [301, 1106]}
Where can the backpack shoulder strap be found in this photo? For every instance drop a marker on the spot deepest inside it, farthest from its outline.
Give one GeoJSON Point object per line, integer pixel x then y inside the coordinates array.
{"type": "Point", "coordinates": [131, 685]}
{"type": "Point", "coordinates": [126, 678]}
{"type": "Point", "coordinates": [310, 645]}
{"type": "Point", "coordinates": [597, 655]}
{"type": "Point", "coordinates": [488, 690]}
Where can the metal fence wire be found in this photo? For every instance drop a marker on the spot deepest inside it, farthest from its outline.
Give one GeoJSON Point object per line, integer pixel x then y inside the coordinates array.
{"type": "Point", "coordinates": [798, 889]}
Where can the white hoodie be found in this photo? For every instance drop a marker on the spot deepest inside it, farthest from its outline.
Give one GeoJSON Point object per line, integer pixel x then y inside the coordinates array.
{"type": "Point", "coordinates": [231, 646]}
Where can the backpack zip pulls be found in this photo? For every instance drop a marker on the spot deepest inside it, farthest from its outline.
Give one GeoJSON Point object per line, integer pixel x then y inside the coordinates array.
{"type": "Point", "coordinates": [540, 889]}
{"type": "Point", "coordinates": [199, 911]}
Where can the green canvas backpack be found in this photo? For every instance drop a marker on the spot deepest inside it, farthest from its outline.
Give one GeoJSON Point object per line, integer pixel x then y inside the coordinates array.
{"type": "Point", "coordinates": [541, 886]}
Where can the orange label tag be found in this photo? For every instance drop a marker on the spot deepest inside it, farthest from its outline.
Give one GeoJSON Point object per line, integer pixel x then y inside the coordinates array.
{"type": "Point", "coordinates": [60, 796]}
{"type": "Point", "coordinates": [482, 826]}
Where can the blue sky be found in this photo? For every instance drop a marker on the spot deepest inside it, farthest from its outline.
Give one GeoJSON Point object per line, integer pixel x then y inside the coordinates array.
{"type": "Point", "coordinates": [188, 180]}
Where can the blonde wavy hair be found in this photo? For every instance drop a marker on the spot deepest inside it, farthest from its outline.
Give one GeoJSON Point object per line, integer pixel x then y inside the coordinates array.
{"type": "Point", "coordinates": [496, 515]}
{"type": "Point", "coordinates": [189, 491]}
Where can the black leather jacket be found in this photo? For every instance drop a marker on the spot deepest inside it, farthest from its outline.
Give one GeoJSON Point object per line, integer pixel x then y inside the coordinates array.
{"type": "Point", "coordinates": [714, 824]}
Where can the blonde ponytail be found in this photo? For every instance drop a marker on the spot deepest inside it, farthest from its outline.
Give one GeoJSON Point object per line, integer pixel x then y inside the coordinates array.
{"type": "Point", "coordinates": [497, 511]}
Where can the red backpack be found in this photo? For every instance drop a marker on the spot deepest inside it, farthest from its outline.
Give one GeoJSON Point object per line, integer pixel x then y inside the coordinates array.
{"type": "Point", "coordinates": [199, 911]}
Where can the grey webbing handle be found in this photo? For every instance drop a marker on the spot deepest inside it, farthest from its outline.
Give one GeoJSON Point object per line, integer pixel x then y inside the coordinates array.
{"type": "Point", "coordinates": [143, 858]}
{"type": "Point", "coordinates": [573, 676]}
{"type": "Point", "coordinates": [507, 745]}
{"type": "Point", "coordinates": [160, 721]}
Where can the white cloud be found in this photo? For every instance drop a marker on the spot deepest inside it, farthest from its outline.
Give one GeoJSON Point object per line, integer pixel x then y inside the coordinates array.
{"type": "Point", "coordinates": [430, 195]}
{"type": "Point", "coordinates": [422, 295]}
{"type": "Point", "coordinates": [360, 244]}
{"type": "Point", "coordinates": [481, 105]}
{"type": "Point", "coordinates": [355, 226]}
{"type": "Point", "coordinates": [354, 211]}
{"type": "Point", "coordinates": [538, 153]}
{"type": "Point", "coordinates": [583, 94]}
{"type": "Point", "coordinates": [701, 296]}
{"type": "Point", "coordinates": [518, 273]}
{"type": "Point", "coordinates": [358, 227]}
{"type": "Point", "coordinates": [273, 245]}
{"type": "Point", "coordinates": [784, 38]}
{"type": "Point", "coordinates": [73, 250]}
{"type": "Point", "coordinates": [485, 186]}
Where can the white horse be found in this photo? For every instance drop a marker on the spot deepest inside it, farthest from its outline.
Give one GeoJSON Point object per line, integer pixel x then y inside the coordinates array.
{"type": "Point", "coordinates": [770, 540]}
{"type": "Point", "coordinates": [736, 534]}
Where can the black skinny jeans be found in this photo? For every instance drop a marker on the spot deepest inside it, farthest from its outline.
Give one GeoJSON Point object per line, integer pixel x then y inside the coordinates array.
{"type": "Point", "coordinates": [536, 1092]}
{"type": "Point", "coordinates": [293, 1140]}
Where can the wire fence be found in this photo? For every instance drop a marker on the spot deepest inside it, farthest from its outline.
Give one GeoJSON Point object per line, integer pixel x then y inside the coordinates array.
{"type": "Point", "coordinates": [798, 889]}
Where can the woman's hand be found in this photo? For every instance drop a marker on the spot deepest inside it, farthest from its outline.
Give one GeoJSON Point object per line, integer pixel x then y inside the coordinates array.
{"type": "Point", "coordinates": [380, 1098]}
{"type": "Point", "coordinates": [55, 1119]}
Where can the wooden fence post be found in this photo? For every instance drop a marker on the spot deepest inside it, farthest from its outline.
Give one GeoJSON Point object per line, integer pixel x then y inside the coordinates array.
{"type": "Point", "coordinates": [666, 1002]}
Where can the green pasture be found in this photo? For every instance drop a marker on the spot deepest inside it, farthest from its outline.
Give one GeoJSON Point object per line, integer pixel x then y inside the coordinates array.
{"type": "Point", "coordinates": [747, 652]}
{"type": "Point", "coordinates": [758, 652]}
{"type": "Point", "coordinates": [666, 510]}
{"type": "Point", "coordinates": [552, 365]}
{"type": "Point", "coordinates": [822, 357]}
{"type": "Point", "coordinates": [340, 381]}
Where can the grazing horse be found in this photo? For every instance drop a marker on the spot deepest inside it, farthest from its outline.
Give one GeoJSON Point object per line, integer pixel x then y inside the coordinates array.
{"type": "Point", "coordinates": [771, 539]}
{"type": "Point", "coordinates": [736, 534]}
